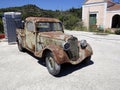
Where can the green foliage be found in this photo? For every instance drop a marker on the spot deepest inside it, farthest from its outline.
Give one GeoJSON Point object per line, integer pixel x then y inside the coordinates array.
{"type": "Point", "coordinates": [70, 21]}
{"type": "Point", "coordinates": [1, 26]}
{"type": "Point", "coordinates": [117, 31]}
{"type": "Point", "coordinates": [109, 31]}
{"type": "Point", "coordinates": [70, 18]}
{"type": "Point", "coordinates": [76, 12]}
{"type": "Point", "coordinates": [80, 26]}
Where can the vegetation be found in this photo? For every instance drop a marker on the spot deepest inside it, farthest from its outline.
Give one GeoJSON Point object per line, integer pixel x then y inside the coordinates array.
{"type": "Point", "coordinates": [1, 26]}
{"type": "Point", "coordinates": [117, 31]}
{"type": "Point", "coordinates": [71, 18]}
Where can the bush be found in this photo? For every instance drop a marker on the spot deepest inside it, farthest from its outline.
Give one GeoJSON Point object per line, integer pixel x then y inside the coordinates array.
{"type": "Point", "coordinates": [1, 26]}
{"type": "Point", "coordinates": [109, 31]}
{"type": "Point", "coordinates": [80, 26]}
{"type": "Point", "coordinates": [117, 31]}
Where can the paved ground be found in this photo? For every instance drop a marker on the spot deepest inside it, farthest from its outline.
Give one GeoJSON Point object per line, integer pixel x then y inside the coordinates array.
{"type": "Point", "coordinates": [22, 71]}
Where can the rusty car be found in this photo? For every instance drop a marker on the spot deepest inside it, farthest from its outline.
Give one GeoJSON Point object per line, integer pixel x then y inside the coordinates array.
{"type": "Point", "coordinates": [45, 38]}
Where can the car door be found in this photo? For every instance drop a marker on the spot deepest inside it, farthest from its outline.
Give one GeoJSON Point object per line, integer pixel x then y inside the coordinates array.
{"type": "Point", "coordinates": [30, 36]}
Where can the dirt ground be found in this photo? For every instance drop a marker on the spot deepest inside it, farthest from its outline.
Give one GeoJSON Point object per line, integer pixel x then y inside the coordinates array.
{"type": "Point", "coordinates": [22, 71]}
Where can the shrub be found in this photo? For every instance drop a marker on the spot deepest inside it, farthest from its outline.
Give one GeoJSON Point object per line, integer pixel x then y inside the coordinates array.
{"type": "Point", "coordinates": [80, 26]}
{"type": "Point", "coordinates": [109, 31]}
{"type": "Point", "coordinates": [1, 26]}
{"type": "Point", "coordinates": [117, 31]}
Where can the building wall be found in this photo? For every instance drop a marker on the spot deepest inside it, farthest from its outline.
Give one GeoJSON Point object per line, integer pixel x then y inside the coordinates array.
{"type": "Point", "coordinates": [109, 17]}
{"type": "Point", "coordinates": [93, 1]}
{"type": "Point", "coordinates": [99, 9]}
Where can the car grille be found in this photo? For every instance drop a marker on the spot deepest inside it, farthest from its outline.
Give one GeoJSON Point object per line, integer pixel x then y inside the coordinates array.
{"type": "Point", "coordinates": [73, 52]}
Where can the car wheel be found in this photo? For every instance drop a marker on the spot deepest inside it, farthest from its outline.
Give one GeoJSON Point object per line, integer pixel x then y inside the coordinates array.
{"type": "Point", "coordinates": [51, 64]}
{"type": "Point", "coordinates": [20, 47]}
{"type": "Point", "coordinates": [87, 59]}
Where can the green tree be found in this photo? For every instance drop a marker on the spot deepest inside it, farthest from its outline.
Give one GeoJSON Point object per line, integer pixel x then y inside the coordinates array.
{"type": "Point", "coordinates": [70, 18]}
{"type": "Point", "coordinates": [70, 21]}
{"type": "Point", "coordinates": [1, 26]}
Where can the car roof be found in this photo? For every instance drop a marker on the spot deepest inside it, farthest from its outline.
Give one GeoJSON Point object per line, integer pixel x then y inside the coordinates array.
{"type": "Point", "coordinates": [42, 19]}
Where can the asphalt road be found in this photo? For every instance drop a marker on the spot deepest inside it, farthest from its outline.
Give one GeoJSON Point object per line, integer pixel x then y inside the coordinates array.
{"type": "Point", "coordinates": [22, 71]}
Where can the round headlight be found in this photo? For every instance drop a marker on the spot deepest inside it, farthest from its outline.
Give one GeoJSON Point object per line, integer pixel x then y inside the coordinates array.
{"type": "Point", "coordinates": [83, 44]}
{"type": "Point", "coordinates": [66, 46]}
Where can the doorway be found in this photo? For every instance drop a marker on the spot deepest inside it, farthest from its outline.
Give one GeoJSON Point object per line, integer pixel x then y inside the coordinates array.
{"type": "Point", "coordinates": [116, 21]}
{"type": "Point", "coordinates": [92, 21]}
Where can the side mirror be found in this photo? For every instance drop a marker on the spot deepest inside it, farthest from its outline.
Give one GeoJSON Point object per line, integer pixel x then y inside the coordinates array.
{"type": "Point", "coordinates": [19, 23]}
{"type": "Point", "coordinates": [22, 24]}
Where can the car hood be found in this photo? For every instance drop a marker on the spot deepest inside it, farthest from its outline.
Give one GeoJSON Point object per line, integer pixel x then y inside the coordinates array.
{"type": "Point", "coordinates": [55, 35]}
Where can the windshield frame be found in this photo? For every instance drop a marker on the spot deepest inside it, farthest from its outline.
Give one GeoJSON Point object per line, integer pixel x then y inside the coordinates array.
{"type": "Point", "coordinates": [50, 27]}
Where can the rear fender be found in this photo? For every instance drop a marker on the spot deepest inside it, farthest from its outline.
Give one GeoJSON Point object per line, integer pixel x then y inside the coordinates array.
{"type": "Point", "coordinates": [20, 36]}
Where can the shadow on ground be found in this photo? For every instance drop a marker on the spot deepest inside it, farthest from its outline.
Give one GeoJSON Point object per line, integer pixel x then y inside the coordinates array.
{"type": "Point", "coordinates": [66, 68]}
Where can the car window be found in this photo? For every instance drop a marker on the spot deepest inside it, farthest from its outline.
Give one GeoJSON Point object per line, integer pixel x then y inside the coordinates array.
{"type": "Point", "coordinates": [43, 27]}
{"type": "Point", "coordinates": [57, 26]}
{"type": "Point", "coordinates": [30, 26]}
{"type": "Point", "coordinates": [49, 26]}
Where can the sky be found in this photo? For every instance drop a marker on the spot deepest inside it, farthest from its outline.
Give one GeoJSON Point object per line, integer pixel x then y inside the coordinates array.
{"type": "Point", "coordinates": [45, 4]}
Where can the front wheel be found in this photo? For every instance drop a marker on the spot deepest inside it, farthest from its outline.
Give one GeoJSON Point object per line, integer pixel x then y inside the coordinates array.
{"type": "Point", "coordinates": [51, 64]}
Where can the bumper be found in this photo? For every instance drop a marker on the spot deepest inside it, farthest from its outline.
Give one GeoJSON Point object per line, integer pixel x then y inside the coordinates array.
{"type": "Point", "coordinates": [83, 53]}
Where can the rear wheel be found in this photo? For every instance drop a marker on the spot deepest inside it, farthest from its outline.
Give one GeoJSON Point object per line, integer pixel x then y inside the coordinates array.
{"type": "Point", "coordinates": [51, 64]}
{"type": "Point", "coordinates": [20, 47]}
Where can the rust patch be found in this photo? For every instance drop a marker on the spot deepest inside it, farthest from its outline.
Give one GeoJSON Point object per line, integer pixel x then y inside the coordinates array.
{"type": "Point", "coordinates": [41, 19]}
{"type": "Point", "coordinates": [56, 35]}
{"type": "Point", "coordinates": [59, 54]}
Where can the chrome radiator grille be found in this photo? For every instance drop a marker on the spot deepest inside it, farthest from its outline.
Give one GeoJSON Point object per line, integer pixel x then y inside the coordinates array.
{"type": "Point", "coordinates": [73, 52]}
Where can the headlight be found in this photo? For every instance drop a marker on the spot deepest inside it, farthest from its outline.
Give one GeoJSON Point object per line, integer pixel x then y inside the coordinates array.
{"type": "Point", "coordinates": [66, 46]}
{"type": "Point", "coordinates": [83, 44]}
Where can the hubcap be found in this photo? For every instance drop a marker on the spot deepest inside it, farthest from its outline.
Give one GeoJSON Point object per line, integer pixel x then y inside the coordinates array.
{"type": "Point", "coordinates": [51, 63]}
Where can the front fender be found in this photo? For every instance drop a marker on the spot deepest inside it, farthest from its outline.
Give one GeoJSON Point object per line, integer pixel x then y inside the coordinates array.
{"type": "Point", "coordinates": [59, 54]}
{"type": "Point", "coordinates": [86, 52]}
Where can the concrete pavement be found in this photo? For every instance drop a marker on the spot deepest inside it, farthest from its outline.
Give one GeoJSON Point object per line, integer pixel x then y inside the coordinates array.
{"type": "Point", "coordinates": [22, 71]}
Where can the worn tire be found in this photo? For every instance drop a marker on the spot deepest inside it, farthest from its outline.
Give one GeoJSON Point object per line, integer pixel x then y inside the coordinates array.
{"type": "Point", "coordinates": [20, 47]}
{"type": "Point", "coordinates": [87, 60]}
{"type": "Point", "coordinates": [52, 66]}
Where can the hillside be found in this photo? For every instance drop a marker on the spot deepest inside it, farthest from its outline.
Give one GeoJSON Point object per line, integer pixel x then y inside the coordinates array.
{"type": "Point", "coordinates": [70, 18]}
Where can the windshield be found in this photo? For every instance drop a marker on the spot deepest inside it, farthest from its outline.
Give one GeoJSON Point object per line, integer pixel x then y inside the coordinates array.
{"type": "Point", "coordinates": [49, 26]}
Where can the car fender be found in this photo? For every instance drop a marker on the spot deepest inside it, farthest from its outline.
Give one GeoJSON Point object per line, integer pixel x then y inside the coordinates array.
{"type": "Point", "coordinates": [85, 52]}
{"type": "Point", "coordinates": [59, 54]}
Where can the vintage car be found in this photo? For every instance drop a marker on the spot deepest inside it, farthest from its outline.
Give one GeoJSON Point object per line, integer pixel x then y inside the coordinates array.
{"type": "Point", "coordinates": [45, 38]}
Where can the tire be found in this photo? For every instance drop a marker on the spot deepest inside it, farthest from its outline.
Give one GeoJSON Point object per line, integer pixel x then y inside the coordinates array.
{"type": "Point", "coordinates": [87, 60]}
{"type": "Point", "coordinates": [52, 66]}
{"type": "Point", "coordinates": [20, 47]}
